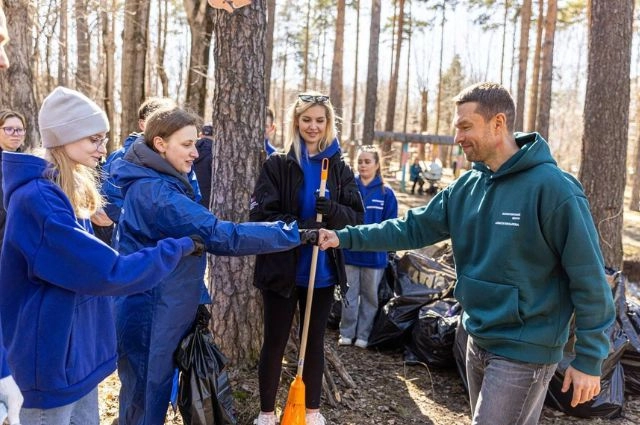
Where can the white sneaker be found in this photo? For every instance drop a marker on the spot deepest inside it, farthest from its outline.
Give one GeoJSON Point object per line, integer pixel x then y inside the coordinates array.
{"type": "Point", "coordinates": [343, 340]}
{"type": "Point", "coordinates": [361, 343]}
{"type": "Point", "coordinates": [263, 419]}
{"type": "Point", "coordinates": [315, 418]}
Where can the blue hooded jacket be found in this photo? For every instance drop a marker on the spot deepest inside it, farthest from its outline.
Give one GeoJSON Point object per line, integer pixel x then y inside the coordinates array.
{"type": "Point", "coordinates": [159, 201]}
{"type": "Point", "coordinates": [109, 189]}
{"type": "Point", "coordinates": [380, 204]}
{"type": "Point", "coordinates": [57, 324]}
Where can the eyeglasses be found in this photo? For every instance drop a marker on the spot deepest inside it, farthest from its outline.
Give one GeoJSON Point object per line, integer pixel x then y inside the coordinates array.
{"type": "Point", "coordinates": [9, 131]}
{"type": "Point", "coordinates": [99, 141]}
{"type": "Point", "coordinates": [313, 98]}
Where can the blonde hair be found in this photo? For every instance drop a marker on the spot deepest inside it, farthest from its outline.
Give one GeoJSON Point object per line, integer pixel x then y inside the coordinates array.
{"type": "Point", "coordinates": [78, 182]}
{"type": "Point", "coordinates": [296, 109]}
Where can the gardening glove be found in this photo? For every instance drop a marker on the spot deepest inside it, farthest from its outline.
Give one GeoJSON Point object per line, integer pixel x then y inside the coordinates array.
{"type": "Point", "coordinates": [311, 223]}
{"type": "Point", "coordinates": [326, 206]}
{"type": "Point", "coordinates": [198, 245]}
{"type": "Point", "coordinates": [10, 395]}
{"type": "Point", "coordinates": [309, 236]}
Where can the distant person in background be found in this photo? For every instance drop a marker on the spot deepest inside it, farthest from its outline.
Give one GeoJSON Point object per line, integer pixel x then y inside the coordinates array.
{"type": "Point", "coordinates": [202, 164]}
{"type": "Point", "coordinates": [13, 127]}
{"type": "Point", "coordinates": [415, 175]}
{"type": "Point", "coordinates": [56, 279]}
{"type": "Point", "coordinates": [9, 392]}
{"type": "Point", "coordinates": [365, 269]}
{"type": "Point", "coordinates": [269, 132]}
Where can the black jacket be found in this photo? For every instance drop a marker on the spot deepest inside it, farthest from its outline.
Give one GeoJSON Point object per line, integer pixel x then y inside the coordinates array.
{"type": "Point", "coordinates": [275, 197]}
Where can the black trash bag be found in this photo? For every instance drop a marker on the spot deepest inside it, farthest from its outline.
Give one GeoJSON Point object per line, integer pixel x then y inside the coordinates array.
{"type": "Point", "coordinates": [433, 335]}
{"type": "Point", "coordinates": [204, 396]}
{"type": "Point", "coordinates": [460, 353]}
{"type": "Point", "coordinates": [392, 328]}
{"type": "Point", "coordinates": [608, 404]}
{"type": "Point", "coordinates": [631, 357]}
{"type": "Point", "coordinates": [388, 281]}
{"type": "Point", "coordinates": [335, 314]}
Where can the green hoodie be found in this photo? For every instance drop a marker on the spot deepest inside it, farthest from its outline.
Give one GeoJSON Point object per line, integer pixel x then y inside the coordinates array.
{"type": "Point", "coordinates": [527, 256]}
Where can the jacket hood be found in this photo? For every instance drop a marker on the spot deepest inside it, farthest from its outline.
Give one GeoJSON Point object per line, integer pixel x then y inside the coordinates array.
{"type": "Point", "coordinates": [143, 162]}
{"type": "Point", "coordinates": [377, 181]}
{"type": "Point", "coordinates": [131, 139]}
{"type": "Point", "coordinates": [331, 150]}
{"type": "Point", "coordinates": [18, 169]}
{"type": "Point", "coordinates": [534, 151]}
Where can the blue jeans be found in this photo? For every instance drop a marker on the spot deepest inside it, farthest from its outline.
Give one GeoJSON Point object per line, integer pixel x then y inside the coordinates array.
{"type": "Point", "coordinates": [81, 412]}
{"type": "Point", "coordinates": [504, 391]}
{"type": "Point", "coordinates": [362, 296]}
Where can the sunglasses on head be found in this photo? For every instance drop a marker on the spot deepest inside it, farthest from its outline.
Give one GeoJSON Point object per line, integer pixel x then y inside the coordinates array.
{"type": "Point", "coordinates": [313, 98]}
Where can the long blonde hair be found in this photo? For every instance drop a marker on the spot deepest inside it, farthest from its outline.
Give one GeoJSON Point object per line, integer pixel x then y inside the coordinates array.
{"type": "Point", "coordinates": [296, 109]}
{"type": "Point", "coordinates": [77, 181]}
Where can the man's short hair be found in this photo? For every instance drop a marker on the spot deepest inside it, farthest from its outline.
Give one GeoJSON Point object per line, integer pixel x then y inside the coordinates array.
{"type": "Point", "coordinates": [152, 104]}
{"type": "Point", "coordinates": [270, 114]}
{"type": "Point", "coordinates": [492, 99]}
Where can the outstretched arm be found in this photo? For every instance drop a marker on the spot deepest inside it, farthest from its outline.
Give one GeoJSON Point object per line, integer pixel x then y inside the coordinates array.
{"type": "Point", "coordinates": [328, 239]}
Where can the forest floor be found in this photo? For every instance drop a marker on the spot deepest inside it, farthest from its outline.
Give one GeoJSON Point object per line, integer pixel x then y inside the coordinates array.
{"type": "Point", "coordinates": [388, 391]}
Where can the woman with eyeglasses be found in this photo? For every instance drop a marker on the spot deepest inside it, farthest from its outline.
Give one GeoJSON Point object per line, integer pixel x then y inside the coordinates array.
{"type": "Point", "coordinates": [287, 190]}
{"type": "Point", "coordinates": [12, 131]}
{"type": "Point", "coordinates": [365, 269]}
{"type": "Point", "coordinates": [56, 279]}
{"type": "Point", "coordinates": [159, 200]}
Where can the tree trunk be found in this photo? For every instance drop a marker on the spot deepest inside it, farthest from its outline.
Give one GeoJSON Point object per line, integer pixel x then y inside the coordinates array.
{"type": "Point", "coordinates": [393, 82]}
{"type": "Point", "coordinates": [134, 60]}
{"type": "Point", "coordinates": [424, 119]}
{"type": "Point", "coordinates": [163, 23]}
{"type": "Point", "coordinates": [268, 54]}
{"type": "Point", "coordinates": [523, 57]}
{"type": "Point", "coordinates": [16, 83]}
{"type": "Point", "coordinates": [546, 78]}
{"type": "Point", "coordinates": [353, 135]}
{"type": "Point", "coordinates": [107, 10]}
{"type": "Point", "coordinates": [507, 5]}
{"type": "Point", "coordinates": [84, 83]}
{"type": "Point", "coordinates": [634, 203]}
{"type": "Point", "coordinates": [535, 78]}
{"type": "Point", "coordinates": [371, 97]}
{"type": "Point", "coordinates": [305, 53]}
{"type": "Point", "coordinates": [201, 24]}
{"type": "Point", "coordinates": [338, 64]}
{"type": "Point", "coordinates": [606, 121]}
{"type": "Point", "coordinates": [63, 78]}
{"type": "Point", "coordinates": [239, 75]}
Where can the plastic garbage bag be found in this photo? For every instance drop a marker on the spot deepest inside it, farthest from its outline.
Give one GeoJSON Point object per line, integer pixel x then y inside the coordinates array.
{"type": "Point", "coordinates": [204, 396]}
{"type": "Point", "coordinates": [460, 353]}
{"type": "Point", "coordinates": [392, 328]}
{"type": "Point", "coordinates": [433, 335]}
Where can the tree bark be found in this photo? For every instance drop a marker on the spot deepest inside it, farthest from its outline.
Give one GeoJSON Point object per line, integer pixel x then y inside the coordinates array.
{"type": "Point", "coordinates": [84, 83]}
{"type": "Point", "coordinates": [335, 92]}
{"type": "Point", "coordinates": [535, 78]}
{"type": "Point", "coordinates": [393, 81]}
{"type": "Point", "coordinates": [134, 61]}
{"type": "Point", "coordinates": [199, 16]}
{"type": "Point", "coordinates": [371, 98]}
{"type": "Point", "coordinates": [63, 78]}
{"type": "Point", "coordinates": [16, 87]}
{"type": "Point", "coordinates": [239, 76]}
{"type": "Point", "coordinates": [634, 202]}
{"type": "Point", "coordinates": [268, 53]}
{"type": "Point", "coordinates": [107, 10]}
{"type": "Point", "coordinates": [606, 121]}
{"type": "Point", "coordinates": [523, 57]}
{"type": "Point", "coordinates": [546, 78]}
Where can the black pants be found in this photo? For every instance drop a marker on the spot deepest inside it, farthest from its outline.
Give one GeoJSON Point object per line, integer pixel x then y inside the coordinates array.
{"type": "Point", "coordinates": [420, 182]}
{"type": "Point", "coordinates": [278, 315]}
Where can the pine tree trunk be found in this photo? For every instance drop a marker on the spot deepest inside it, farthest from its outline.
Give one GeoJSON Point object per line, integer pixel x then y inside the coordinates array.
{"type": "Point", "coordinates": [338, 64]}
{"type": "Point", "coordinates": [239, 76]}
{"type": "Point", "coordinates": [393, 82]}
{"type": "Point", "coordinates": [134, 61]}
{"type": "Point", "coordinates": [199, 16]}
{"type": "Point", "coordinates": [535, 78]}
{"type": "Point", "coordinates": [16, 83]}
{"type": "Point", "coordinates": [523, 58]}
{"type": "Point", "coordinates": [107, 9]}
{"type": "Point", "coordinates": [84, 83]}
{"type": "Point", "coordinates": [546, 78]}
{"type": "Point", "coordinates": [606, 121]}
{"type": "Point", "coordinates": [634, 203]}
{"type": "Point", "coordinates": [268, 55]}
{"type": "Point", "coordinates": [371, 98]}
{"type": "Point", "coordinates": [63, 50]}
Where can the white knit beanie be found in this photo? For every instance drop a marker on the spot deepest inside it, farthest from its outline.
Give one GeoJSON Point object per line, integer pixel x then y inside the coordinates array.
{"type": "Point", "coordinates": [67, 116]}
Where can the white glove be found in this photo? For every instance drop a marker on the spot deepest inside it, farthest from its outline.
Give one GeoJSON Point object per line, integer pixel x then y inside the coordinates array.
{"type": "Point", "coordinates": [11, 395]}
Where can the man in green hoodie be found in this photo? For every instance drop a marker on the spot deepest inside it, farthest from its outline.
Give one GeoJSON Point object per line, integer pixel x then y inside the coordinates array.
{"type": "Point", "coordinates": [527, 259]}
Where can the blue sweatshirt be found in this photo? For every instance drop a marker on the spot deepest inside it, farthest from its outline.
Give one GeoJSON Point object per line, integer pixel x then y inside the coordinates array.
{"type": "Point", "coordinates": [527, 257]}
{"type": "Point", "coordinates": [380, 204]}
{"type": "Point", "coordinates": [57, 323]}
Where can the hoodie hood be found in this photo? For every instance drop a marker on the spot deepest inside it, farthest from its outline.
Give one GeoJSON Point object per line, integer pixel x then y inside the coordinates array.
{"type": "Point", "coordinates": [141, 161]}
{"type": "Point", "coordinates": [19, 169]}
{"type": "Point", "coordinates": [534, 151]}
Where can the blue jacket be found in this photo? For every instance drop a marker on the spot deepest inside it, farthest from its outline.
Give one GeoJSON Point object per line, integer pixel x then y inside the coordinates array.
{"type": "Point", "coordinates": [380, 204]}
{"type": "Point", "coordinates": [158, 202]}
{"type": "Point", "coordinates": [58, 325]}
{"type": "Point", "coordinates": [414, 171]}
{"type": "Point", "coordinates": [527, 257]}
{"type": "Point", "coordinates": [109, 189]}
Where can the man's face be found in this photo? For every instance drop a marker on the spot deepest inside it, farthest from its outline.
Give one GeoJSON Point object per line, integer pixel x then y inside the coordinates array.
{"type": "Point", "coordinates": [4, 39]}
{"type": "Point", "coordinates": [474, 134]}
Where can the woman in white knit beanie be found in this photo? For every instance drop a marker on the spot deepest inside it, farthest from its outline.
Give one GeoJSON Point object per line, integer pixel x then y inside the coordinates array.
{"type": "Point", "coordinates": [57, 281]}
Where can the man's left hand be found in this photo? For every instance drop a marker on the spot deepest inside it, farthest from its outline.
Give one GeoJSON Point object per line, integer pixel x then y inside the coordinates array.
{"type": "Point", "coordinates": [585, 387]}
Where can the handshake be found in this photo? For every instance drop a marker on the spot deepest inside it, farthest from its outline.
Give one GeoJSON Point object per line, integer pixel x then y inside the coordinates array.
{"type": "Point", "coordinates": [322, 237]}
